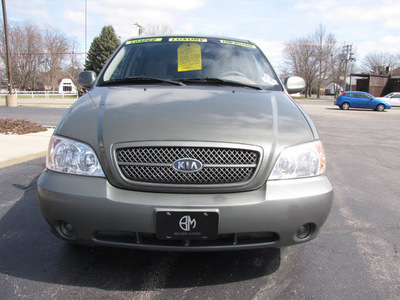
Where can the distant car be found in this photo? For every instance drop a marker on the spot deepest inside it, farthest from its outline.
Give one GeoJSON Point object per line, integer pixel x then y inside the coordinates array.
{"type": "Point", "coordinates": [361, 100]}
{"type": "Point", "coordinates": [392, 98]}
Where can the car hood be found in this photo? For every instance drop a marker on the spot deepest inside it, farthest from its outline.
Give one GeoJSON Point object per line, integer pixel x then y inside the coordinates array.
{"type": "Point", "coordinates": [187, 114]}
{"type": "Point", "coordinates": [111, 115]}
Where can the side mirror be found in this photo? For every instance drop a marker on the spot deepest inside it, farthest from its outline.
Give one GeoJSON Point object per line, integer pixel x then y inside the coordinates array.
{"type": "Point", "coordinates": [86, 78]}
{"type": "Point", "coordinates": [294, 84]}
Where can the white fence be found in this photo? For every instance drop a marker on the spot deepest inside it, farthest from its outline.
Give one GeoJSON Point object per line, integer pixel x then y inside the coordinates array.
{"type": "Point", "coordinates": [41, 94]}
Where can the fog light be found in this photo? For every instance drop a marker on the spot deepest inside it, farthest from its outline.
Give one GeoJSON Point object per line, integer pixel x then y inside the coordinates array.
{"type": "Point", "coordinates": [304, 231]}
{"type": "Point", "coordinates": [67, 229]}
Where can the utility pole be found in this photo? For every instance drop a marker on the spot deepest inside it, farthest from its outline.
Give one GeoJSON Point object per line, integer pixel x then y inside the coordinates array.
{"type": "Point", "coordinates": [11, 100]}
{"type": "Point", "coordinates": [140, 28]}
{"type": "Point", "coordinates": [346, 55]}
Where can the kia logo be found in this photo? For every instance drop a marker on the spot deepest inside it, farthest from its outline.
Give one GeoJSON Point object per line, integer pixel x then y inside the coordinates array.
{"type": "Point", "coordinates": [187, 165]}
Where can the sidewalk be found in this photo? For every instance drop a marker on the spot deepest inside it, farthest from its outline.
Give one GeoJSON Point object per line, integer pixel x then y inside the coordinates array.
{"type": "Point", "coordinates": [16, 149]}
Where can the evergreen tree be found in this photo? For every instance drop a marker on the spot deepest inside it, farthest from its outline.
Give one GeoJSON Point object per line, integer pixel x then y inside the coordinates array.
{"type": "Point", "coordinates": [101, 49]}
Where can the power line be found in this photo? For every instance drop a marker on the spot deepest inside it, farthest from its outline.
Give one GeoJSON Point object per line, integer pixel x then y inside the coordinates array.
{"type": "Point", "coordinates": [312, 44]}
{"type": "Point", "coordinates": [53, 53]}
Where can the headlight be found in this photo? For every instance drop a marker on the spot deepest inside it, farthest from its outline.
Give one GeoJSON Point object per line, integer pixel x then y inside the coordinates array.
{"type": "Point", "coordinates": [299, 161]}
{"type": "Point", "coordinates": [72, 157]}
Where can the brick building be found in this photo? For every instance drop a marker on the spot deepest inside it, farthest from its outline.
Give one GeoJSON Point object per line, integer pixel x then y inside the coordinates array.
{"type": "Point", "coordinates": [377, 85]}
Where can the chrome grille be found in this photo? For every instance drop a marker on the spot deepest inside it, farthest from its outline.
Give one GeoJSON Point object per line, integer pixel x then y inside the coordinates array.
{"type": "Point", "coordinates": [154, 164]}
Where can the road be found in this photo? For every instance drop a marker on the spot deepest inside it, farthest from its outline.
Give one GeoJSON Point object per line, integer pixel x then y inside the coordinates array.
{"type": "Point", "coordinates": [48, 116]}
{"type": "Point", "coordinates": [356, 256]}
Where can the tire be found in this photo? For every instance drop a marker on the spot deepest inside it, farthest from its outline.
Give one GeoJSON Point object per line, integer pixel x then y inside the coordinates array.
{"type": "Point", "coordinates": [345, 106]}
{"type": "Point", "coordinates": [380, 107]}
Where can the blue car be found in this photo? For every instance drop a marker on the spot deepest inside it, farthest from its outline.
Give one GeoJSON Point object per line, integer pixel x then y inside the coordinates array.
{"type": "Point", "coordinates": [361, 100]}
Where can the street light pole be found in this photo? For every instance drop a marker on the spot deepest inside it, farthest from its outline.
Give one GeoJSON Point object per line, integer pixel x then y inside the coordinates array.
{"type": "Point", "coordinates": [85, 30]}
{"type": "Point", "coordinates": [11, 100]}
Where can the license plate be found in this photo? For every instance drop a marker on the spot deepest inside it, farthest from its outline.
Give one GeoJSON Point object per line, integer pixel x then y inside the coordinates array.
{"type": "Point", "coordinates": [187, 225]}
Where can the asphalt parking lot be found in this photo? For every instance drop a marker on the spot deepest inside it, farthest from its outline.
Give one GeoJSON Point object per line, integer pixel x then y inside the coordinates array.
{"type": "Point", "coordinates": [357, 255]}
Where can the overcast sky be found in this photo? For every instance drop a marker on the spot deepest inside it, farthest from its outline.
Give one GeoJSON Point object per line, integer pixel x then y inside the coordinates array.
{"type": "Point", "coordinates": [369, 25]}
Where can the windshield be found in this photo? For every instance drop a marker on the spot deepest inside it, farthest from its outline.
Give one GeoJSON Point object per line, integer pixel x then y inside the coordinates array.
{"type": "Point", "coordinates": [191, 60]}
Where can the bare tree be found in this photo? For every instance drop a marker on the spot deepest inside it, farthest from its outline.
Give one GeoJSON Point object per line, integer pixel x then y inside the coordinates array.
{"type": "Point", "coordinates": [300, 55]}
{"type": "Point", "coordinates": [38, 56]}
{"type": "Point", "coordinates": [26, 53]}
{"type": "Point", "coordinates": [379, 63]}
{"type": "Point", "coordinates": [311, 57]}
{"type": "Point", "coordinates": [157, 30]}
{"type": "Point", "coordinates": [73, 65]}
{"type": "Point", "coordinates": [336, 70]}
{"type": "Point", "coordinates": [326, 45]}
{"type": "Point", "coordinates": [56, 47]}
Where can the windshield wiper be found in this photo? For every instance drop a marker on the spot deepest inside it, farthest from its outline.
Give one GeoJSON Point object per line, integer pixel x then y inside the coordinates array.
{"type": "Point", "coordinates": [140, 79]}
{"type": "Point", "coordinates": [219, 81]}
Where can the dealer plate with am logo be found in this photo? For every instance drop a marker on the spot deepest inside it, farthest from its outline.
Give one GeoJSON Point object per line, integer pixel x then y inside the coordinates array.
{"type": "Point", "coordinates": [187, 225]}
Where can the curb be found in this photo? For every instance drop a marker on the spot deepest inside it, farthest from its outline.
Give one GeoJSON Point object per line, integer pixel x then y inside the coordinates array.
{"type": "Point", "coordinates": [17, 149]}
{"type": "Point", "coordinates": [22, 159]}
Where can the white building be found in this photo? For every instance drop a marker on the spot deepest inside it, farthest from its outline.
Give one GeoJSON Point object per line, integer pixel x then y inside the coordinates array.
{"type": "Point", "coordinates": [67, 86]}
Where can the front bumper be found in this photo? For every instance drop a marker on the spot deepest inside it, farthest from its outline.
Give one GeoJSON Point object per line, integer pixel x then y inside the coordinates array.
{"type": "Point", "coordinates": [101, 214]}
